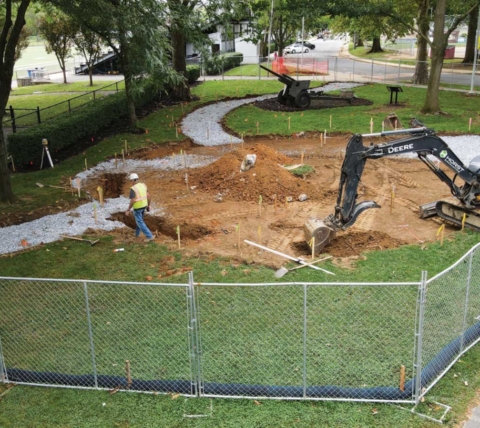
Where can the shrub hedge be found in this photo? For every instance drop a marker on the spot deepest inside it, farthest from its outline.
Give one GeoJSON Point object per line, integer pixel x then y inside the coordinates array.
{"type": "Point", "coordinates": [217, 64]}
{"type": "Point", "coordinates": [66, 130]}
{"type": "Point", "coordinates": [69, 129]}
{"type": "Point", "coordinates": [193, 73]}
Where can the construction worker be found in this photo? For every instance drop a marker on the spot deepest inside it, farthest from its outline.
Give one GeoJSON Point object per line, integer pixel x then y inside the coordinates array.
{"type": "Point", "coordinates": [140, 202]}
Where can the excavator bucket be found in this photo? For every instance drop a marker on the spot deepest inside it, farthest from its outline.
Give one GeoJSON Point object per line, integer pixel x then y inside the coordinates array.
{"type": "Point", "coordinates": [318, 234]}
{"type": "Point", "coordinates": [392, 122]}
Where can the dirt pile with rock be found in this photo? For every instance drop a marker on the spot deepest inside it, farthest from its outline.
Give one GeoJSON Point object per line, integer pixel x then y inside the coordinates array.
{"type": "Point", "coordinates": [267, 178]}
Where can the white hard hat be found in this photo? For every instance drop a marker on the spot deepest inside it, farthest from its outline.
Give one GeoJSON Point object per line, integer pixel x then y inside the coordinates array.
{"type": "Point", "coordinates": [133, 176]}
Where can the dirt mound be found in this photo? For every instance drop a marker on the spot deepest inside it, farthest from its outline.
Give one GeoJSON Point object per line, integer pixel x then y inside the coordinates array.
{"type": "Point", "coordinates": [267, 178]}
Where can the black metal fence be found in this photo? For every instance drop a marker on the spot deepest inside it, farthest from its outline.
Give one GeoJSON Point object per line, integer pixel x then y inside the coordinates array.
{"type": "Point", "coordinates": [17, 118]}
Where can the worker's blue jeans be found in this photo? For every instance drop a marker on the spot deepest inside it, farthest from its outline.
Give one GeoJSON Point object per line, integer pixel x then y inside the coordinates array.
{"type": "Point", "coordinates": [141, 226]}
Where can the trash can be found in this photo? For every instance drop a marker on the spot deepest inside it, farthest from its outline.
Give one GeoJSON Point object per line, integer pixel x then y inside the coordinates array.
{"type": "Point", "coordinates": [450, 52]}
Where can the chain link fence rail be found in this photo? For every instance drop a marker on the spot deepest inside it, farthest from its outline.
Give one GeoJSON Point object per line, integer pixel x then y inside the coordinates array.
{"type": "Point", "coordinates": [315, 67]}
{"type": "Point", "coordinates": [97, 334]}
{"type": "Point", "coordinates": [381, 342]}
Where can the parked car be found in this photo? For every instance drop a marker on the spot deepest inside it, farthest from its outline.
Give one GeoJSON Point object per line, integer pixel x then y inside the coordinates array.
{"type": "Point", "coordinates": [309, 45]}
{"type": "Point", "coordinates": [296, 48]}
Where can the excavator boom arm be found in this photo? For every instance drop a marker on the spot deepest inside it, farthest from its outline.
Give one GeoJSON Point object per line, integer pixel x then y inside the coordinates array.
{"type": "Point", "coordinates": [421, 141]}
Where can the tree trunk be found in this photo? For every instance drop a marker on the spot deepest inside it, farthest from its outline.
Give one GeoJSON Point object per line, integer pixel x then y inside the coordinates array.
{"type": "Point", "coordinates": [123, 59]}
{"type": "Point", "coordinates": [90, 74]}
{"type": "Point", "coordinates": [132, 116]}
{"type": "Point", "coordinates": [10, 35]}
{"type": "Point", "coordinates": [279, 37]}
{"type": "Point", "coordinates": [376, 46]}
{"type": "Point", "coordinates": [470, 48]}
{"type": "Point", "coordinates": [439, 44]}
{"type": "Point", "coordinates": [421, 66]}
{"type": "Point", "coordinates": [182, 90]}
{"type": "Point", "coordinates": [6, 193]}
{"type": "Point", "coordinates": [63, 67]}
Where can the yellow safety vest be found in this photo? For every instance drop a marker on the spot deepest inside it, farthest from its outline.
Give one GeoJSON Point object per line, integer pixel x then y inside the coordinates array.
{"type": "Point", "coordinates": [140, 200]}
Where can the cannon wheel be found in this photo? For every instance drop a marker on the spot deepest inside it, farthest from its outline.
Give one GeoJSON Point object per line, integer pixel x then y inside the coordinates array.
{"type": "Point", "coordinates": [281, 99]}
{"type": "Point", "coordinates": [302, 100]}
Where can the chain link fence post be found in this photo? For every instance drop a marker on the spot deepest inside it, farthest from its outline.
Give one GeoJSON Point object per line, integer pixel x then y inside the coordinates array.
{"type": "Point", "coordinates": [467, 295]}
{"type": "Point", "coordinates": [419, 336]}
{"type": "Point", "coordinates": [90, 335]}
{"type": "Point", "coordinates": [3, 368]}
{"type": "Point", "coordinates": [194, 337]}
{"type": "Point", "coordinates": [305, 290]}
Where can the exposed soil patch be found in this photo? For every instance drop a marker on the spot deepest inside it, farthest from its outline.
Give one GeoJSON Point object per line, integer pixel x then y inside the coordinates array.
{"type": "Point", "coordinates": [19, 217]}
{"type": "Point", "coordinates": [160, 225]}
{"type": "Point", "coordinates": [215, 226]}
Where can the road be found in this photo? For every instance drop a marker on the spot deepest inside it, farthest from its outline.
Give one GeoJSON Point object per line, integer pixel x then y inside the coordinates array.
{"type": "Point", "coordinates": [343, 66]}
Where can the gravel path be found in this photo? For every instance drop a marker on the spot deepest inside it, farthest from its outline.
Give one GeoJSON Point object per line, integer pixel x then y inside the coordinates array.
{"type": "Point", "coordinates": [204, 127]}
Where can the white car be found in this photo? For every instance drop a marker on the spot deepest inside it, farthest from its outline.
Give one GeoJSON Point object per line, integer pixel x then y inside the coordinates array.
{"type": "Point", "coordinates": [295, 48]}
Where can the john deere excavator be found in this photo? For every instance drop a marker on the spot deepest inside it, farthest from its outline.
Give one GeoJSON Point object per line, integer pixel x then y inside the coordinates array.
{"type": "Point", "coordinates": [420, 140]}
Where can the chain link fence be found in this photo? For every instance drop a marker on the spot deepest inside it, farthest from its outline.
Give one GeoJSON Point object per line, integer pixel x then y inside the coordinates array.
{"type": "Point", "coordinates": [382, 342]}
{"type": "Point", "coordinates": [327, 69]}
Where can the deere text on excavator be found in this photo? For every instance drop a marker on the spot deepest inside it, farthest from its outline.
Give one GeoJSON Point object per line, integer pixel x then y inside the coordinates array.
{"type": "Point", "coordinates": [420, 140]}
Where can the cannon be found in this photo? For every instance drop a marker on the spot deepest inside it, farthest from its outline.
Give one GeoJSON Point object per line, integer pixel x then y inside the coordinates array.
{"type": "Point", "coordinates": [295, 93]}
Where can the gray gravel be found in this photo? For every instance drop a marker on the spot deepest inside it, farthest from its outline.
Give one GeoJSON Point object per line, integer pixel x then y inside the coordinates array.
{"type": "Point", "coordinates": [168, 163]}
{"type": "Point", "coordinates": [50, 227]}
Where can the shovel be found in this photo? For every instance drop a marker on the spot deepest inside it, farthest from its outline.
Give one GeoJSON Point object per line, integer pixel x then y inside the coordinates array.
{"type": "Point", "coordinates": [92, 243]}
{"type": "Point", "coordinates": [46, 185]}
{"type": "Point", "coordinates": [283, 270]}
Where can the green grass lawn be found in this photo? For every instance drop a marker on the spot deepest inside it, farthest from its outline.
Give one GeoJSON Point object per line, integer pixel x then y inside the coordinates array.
{"type": "Point", "coordinates": [459, 107]}
{"type": "Point", "coordinates": [83, 86]}
{"type": "Point", "coordinates": [50, 106]}
{"type": "Point", "coordinates": [119, 315]}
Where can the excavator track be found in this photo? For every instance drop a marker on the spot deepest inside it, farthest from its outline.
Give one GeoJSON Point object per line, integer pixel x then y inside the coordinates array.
{"type": "Point", "coordinates": [455, 214]}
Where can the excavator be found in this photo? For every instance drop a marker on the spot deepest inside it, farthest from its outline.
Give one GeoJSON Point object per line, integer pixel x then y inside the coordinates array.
{"type": "Point", "coordinates": [417, 139]}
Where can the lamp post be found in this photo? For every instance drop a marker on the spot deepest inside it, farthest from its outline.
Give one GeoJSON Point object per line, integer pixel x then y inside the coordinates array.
{"type": "Point", "coordinates": [476, 53]}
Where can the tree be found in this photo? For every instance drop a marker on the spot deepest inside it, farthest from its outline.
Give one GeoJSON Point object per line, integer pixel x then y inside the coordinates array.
{"type": "Point", "coordinates": [401, 13]}
{"type": "Point", "coordinates": [59, 33]}
{"type": "Point", "coordinates": [13, 23]}
{"type": "Point", "coordinates": [136, 32]}
{"type": "Point", "coordinates": [420, 77]}
{"type": "Point", "coordinates": [286, 22]}
{"type": "Point", "coordinates": [438, 45]}
{"type": "Point", "coordinates": [187, 20]}
{"type": "Point", "coordinates": [471, 47]}
{"type": "Point", "coordinates": [89, 45]}
{"type": "Point", "coordinates": [369, 27]}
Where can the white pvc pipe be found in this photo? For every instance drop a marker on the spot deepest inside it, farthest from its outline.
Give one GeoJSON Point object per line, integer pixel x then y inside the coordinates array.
{"type": "Point", "coordinates": [278, 253]}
